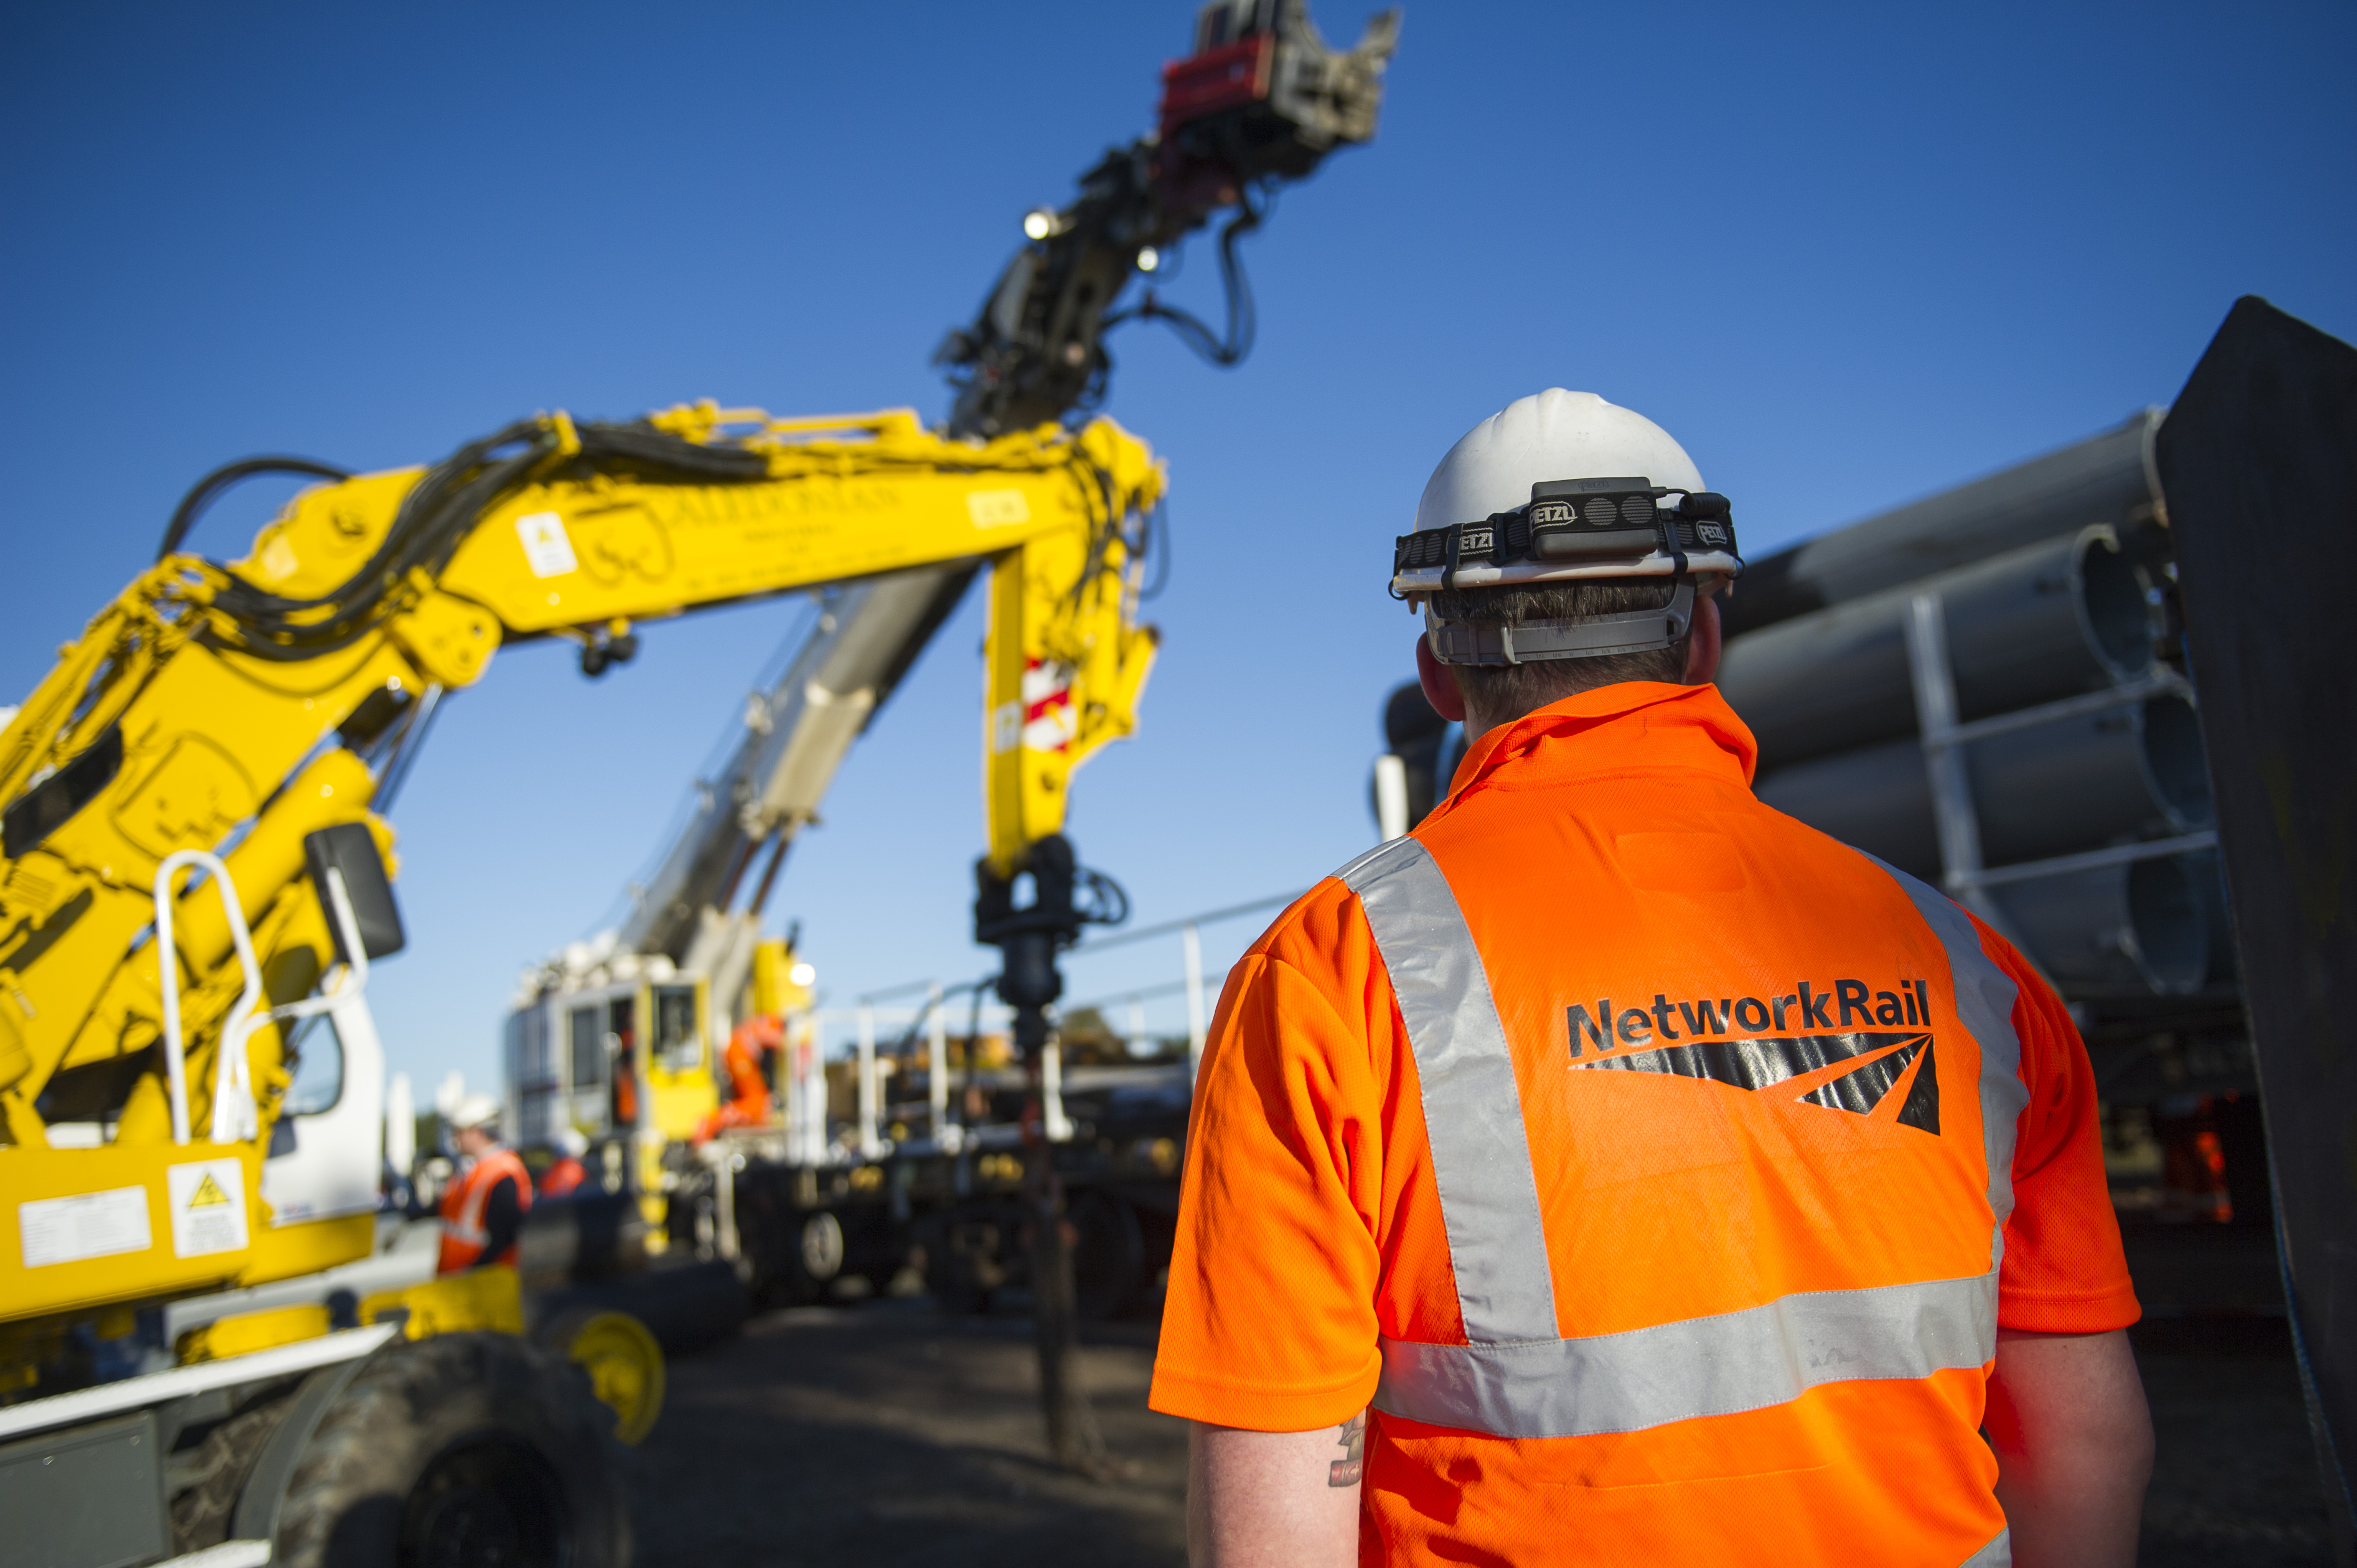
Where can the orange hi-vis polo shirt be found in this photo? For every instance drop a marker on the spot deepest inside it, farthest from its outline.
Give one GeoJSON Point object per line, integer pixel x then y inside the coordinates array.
{"type": "Point", "coordinates": [1659, 1169]}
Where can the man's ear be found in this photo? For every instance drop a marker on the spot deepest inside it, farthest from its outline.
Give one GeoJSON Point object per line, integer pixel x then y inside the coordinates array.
{"type": "Point", "coordinates": [1439, 683]}
{"type": "Point", "coordinates": [1703, 643]}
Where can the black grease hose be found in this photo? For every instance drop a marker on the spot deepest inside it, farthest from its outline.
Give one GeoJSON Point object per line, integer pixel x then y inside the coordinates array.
{"type": "Point", "coordinates": [210, 489]}
{"type": "Point", "coordinates": [438, 513]}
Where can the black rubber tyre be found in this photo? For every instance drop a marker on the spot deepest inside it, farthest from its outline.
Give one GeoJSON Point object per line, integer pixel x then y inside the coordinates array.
{"type": "Point", "coordinates": [461, 1451]}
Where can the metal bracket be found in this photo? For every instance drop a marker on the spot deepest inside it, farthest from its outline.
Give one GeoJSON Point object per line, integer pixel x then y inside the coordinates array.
{"type": "Point", "coordinates": [1953, 811]}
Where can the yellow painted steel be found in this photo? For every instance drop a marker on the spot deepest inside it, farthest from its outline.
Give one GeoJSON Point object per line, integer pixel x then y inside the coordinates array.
{"type": "Point", "coordinates": [679, 1084]}
{"type": "Point", "coordinates": [625, 1366]}
{"type": "Point", "coordinates": [252, 1331]}
{"type": "Point", "coordinates": [776, 992]}
{"type": "Point", "coordinates": [291, 1251]}
{"type": "Point", "coordinates": [487, 1299]}
{"type": "Point", "coordinates": [228, 742]}
{"type": "Point", "coordinates": [132, 1214]}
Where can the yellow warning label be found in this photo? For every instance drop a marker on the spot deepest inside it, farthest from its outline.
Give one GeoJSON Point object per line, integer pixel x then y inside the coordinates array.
{"type": "Point", "coordinates": [208, 1206]}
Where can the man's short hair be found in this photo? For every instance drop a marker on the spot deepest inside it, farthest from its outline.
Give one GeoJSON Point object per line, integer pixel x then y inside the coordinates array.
{"type": "Point", "coordinates": [1524, 688]}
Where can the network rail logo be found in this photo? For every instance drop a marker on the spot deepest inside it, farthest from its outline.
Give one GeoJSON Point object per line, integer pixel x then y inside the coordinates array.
{"type": "Point", "coordinates": [1631, 1039]}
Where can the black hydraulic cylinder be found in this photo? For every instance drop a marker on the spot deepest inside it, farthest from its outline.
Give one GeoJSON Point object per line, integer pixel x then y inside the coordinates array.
{"type": "Point", "coordinates": [2048, 620]}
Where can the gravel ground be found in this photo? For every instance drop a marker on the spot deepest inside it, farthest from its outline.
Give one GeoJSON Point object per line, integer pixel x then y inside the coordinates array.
{"type": "Point", "coordinates": [2236, 1479]}
{"type": "Point", "coordinates": [890, 1436]}
{"type": "Point", "coordinates": [885, 1434]}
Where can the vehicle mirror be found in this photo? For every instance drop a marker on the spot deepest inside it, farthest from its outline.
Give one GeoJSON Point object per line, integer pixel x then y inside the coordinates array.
{"type": "Point", "coordinates": [350, 848]}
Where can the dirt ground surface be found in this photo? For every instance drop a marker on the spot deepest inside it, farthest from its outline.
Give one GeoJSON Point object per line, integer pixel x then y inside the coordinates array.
{"type": "Point", "coordinates": [885, 1434]}
{"type": "Point", "coordinates": [888, 1435]}
{"type": "Point", "coordinates": [2236, 1478]}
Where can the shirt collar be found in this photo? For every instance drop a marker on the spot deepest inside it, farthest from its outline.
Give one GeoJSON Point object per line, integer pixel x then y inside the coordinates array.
{"type": "Point", "coordinates": [1642, 726]}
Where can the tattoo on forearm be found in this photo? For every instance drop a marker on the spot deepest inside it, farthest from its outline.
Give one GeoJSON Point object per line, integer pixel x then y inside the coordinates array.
{"type": "Point", "coordinates": [1353, 1436]}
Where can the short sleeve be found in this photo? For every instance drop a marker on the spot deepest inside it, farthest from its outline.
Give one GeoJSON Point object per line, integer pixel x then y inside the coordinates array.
{"type": "Point", "coordinates": [2063, 1272]}
{"type": "Point", "coordinates": [1269, 1323]}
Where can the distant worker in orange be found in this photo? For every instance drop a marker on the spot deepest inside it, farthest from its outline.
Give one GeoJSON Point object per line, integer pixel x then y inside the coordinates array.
{"type": "Point", "coordinates": [483, 1206]}
{"type": "Point", "coordinates": [1613, 1170]}
{"type": "Point", "coordinates": [625, 1068]}
{"type": "Point", "coordinates": [749, 1044]}
{"type": "Point", "coordinates": [565, 1172]}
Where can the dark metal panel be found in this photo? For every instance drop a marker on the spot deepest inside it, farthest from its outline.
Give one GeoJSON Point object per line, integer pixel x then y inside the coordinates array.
{"type": "Point", "coordinates": [2258, 460]}
{"type": "Point", "coordinates": [86, 1497]}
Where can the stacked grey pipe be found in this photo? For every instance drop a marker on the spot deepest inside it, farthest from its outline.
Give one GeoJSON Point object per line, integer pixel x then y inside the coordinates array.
{"type": "Point", "coordinates": [2042, 603]}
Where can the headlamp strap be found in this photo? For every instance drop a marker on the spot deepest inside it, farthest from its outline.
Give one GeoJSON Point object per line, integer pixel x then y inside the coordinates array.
{"type": "Point", "coordinates": [1536, 641]}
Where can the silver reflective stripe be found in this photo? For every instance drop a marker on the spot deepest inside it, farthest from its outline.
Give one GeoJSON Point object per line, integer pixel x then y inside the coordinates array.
{"type": "Point", "coordinates": [1997, 1553]}
{"type": "Point", "coordinates": [1735, 1361]}
{"type": "Point", "coordinates": [1472, 1108]}
{"type": "Point", "coordinates": [1984, 997]}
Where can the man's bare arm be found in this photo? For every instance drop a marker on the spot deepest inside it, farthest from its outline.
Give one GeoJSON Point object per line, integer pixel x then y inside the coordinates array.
{"type": "Point", "coordinates": [2073, 1442]}
{"type": "Point", "coordinates": [1274, 1500]}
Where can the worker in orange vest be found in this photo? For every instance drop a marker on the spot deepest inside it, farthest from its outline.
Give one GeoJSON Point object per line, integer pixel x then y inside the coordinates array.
{"type": "Point", "coordinates": [565, 1172]}
{"type": "Point", "coordinates": [484, 1206]}
{"type": "Point", "coordinates": [1615, 1170]}
{"type": "Point", "coordinates": [750, 1044]}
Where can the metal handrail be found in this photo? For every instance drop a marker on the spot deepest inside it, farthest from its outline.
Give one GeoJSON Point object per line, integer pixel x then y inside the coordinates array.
{"type": "Point", "coordinates": [2166, 684]}
{"type": "Point", "coordinates": [167, 969]}
{"type": "Point", "coordinates": [2093, 859]}
{"type": "Point", "coordinates": [234, 1100]}
{"type": "Point", "coordinates": [1942, 738]}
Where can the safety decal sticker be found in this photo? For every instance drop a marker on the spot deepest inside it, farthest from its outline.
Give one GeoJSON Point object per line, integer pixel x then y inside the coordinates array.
{"type": "Point", "coordinates": [87, 1225]}
{"type": "Point", "coordinates": [547, 548]}
{"type": "Point", "coordinates": [207, 1198]}
{"type": "Point", "coordinates": [1754, 1065]}
{"type": "Point", "coordinates": [997, 508]}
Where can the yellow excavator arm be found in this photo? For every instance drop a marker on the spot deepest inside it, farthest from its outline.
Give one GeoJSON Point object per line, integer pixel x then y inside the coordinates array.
{"type": "Point", "coordinates": [255, 696]}
{"type": "Point", "coordinates": [599, 538]}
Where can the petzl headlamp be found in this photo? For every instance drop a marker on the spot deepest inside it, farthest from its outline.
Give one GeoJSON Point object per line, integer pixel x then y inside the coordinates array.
{"type": "Point", "coordinates": [1572, 530]}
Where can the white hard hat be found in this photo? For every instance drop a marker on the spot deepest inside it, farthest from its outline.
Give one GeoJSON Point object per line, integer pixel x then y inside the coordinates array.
{"type": "Point", "coordinates": [474, 1110]}
{"type": "Point", "coordinates": [1557, 435]}
{"type": "Point", "coordinates": [1560, 485]}
{"type": "Point", "coordinates": [570, 1141]}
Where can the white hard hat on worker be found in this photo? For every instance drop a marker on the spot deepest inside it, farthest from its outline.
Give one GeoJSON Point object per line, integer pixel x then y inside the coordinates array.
{"type": "Point", "coordinates": [477, 1110]}
{"type": "Point", "coordinates": [1562, 486]}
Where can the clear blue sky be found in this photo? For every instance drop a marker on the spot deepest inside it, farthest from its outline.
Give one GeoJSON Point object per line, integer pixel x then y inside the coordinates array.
{"type": "Point", "coordinates": [1847, 255]}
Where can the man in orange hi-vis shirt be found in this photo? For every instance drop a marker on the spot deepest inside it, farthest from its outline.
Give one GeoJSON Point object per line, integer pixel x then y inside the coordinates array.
{"type": "Point", "coordinates": [1614, 1170]}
